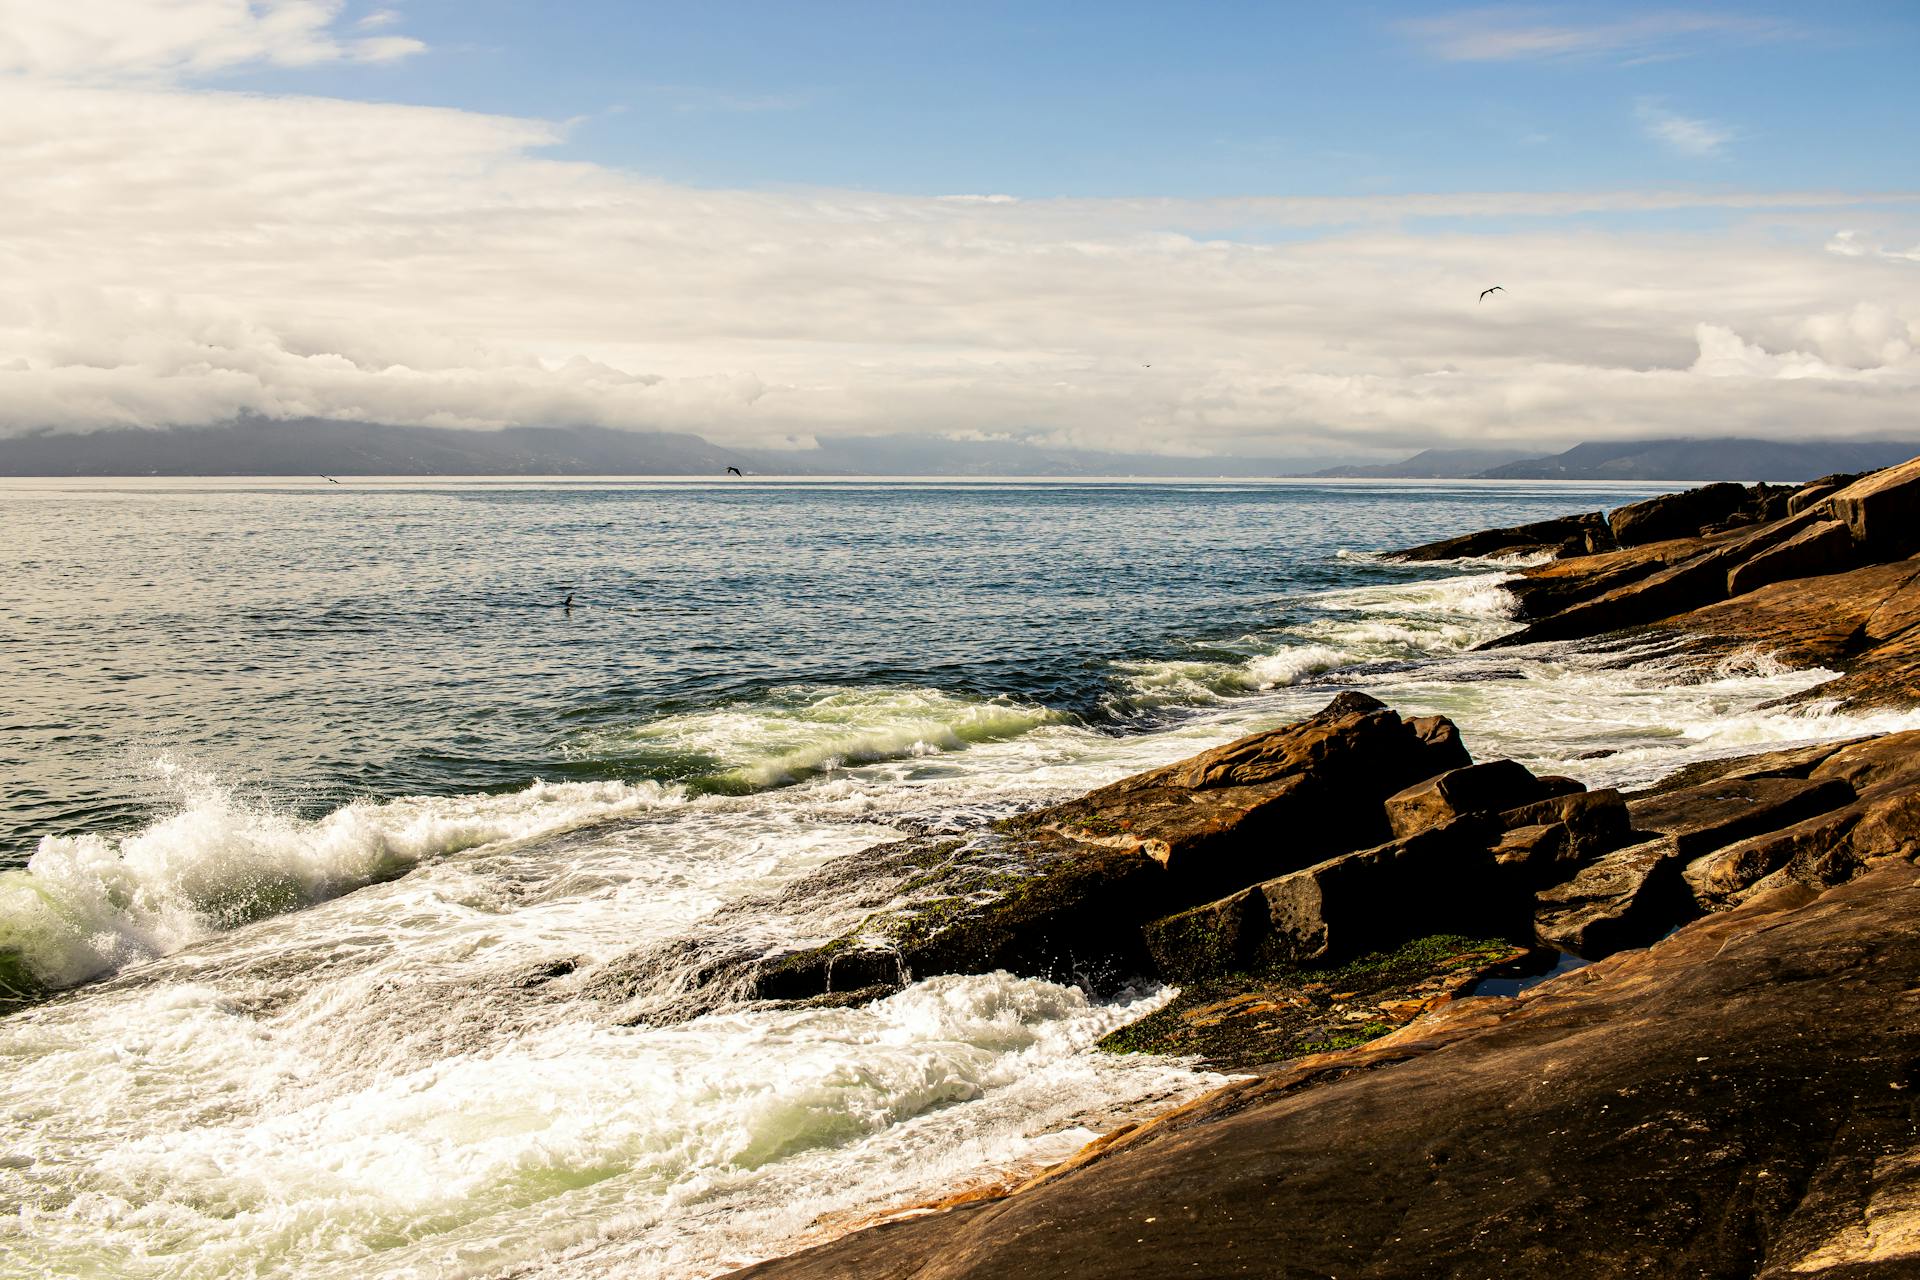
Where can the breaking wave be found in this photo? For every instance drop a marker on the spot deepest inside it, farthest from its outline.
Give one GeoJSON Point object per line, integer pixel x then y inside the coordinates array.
{"type": "Point", "coordinates": [800, 731]}
{"type": "Point", "coordinates": [91, 904]}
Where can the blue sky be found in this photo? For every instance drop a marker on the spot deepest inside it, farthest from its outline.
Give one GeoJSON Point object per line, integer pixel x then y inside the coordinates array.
{"type": "Point", "coordinates": [1187, 100]}
{"type": "Point", "coordinates": [1191, 229]}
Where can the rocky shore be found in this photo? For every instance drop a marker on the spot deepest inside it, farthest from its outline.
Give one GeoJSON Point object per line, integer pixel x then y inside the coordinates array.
{"type": "Point", "coordinates": [1719, 1078]}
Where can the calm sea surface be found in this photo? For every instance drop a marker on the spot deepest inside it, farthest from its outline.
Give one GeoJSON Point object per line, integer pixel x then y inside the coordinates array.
{"type": "Point", "coordinates": [340, 862]}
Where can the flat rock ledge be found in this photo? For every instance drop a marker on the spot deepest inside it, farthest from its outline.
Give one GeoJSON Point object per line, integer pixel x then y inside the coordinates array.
{"type": "Point", "coordinates": [1822, 575]}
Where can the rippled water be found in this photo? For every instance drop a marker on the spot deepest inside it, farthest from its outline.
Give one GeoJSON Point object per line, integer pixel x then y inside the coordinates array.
{"type": "Point", "coordinates": [332, 818]}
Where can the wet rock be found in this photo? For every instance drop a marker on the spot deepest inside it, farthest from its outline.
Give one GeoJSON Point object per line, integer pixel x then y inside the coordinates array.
{"type": "Point", "coordinates": [1245, 1019]}
{"type": "Point", "coordinates": [1865, 621]}
{"type": "Point", "coordinates": [1568, 832]}
{"type": "Point", "coordinates": [1823, 547]}
{"type": "Point", "coordinates": [1568, 535]}
{"type": "Point", "coordinates": [1265, 804]}
{"type": "Point", "coordinates": [1831, 847]}
{"type": "Point", "coordinates": [1474, 788]}
{"type": "Point", "coordinates": [1737, 1101]}
{"type": "Point", "coordinates": [1371, 898]}
{"type": "Point", "coordinates": [1675, 515]}
{"type": "Point", "coordinates": [1626, 899]}
{"type": "Point", "coordinates": [1544, 590]}
{"type": "Point", "coordinates": [1690, 583]}
{"type": "Point", "coordinates": [1714, 814]}
{"type": "Point", "coordinates": [1882, 511]}
{"type": "Point", "coordinates": [1791, 762]}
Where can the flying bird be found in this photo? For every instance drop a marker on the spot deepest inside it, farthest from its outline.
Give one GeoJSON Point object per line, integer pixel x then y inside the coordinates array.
{"type": "Point", "coordinates": [733, 471]}
{"type": "Point", "coordinates": [329, 479]}
{"type": "Point", "coordinates": [1485, 292]}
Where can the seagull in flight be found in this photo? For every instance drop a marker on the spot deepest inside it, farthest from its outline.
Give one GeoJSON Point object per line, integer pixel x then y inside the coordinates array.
{"type": "Point", "coordinates": [733, 471]}
{"type": "Point", "coordinates": [329, 479]}
{"type": "Point", "coordinates": [1485, 292]}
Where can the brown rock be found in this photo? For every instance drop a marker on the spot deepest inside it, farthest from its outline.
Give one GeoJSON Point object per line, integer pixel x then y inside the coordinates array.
{"type": "Point", "coordinates": [1791, 762]}
{"type": "Point", "coordinates": [1737, 1101]}
{"type": "Point", "coordinates": [1675, 515]}
{"type": "Point", "coordinates": [1723, 876]}
{"type": "Point", "coordinates": [1267, 803]}
{"type": "Point", "coordinates": [1568, 535]}
{"type": "Point", "coordinates": [1438, 880]}
{"type": "Point", "coordinates": [1474, 788]}
{"type": "Point", "coordinates": [1824, 547]}
{"type": "Point", "coordinates": [1545, 589]}
{"type": "Point", "coordinates": [1534, 850]}
{"type": "Point", "coordinates": [1626, 899]}
{"type": "Point", "coordinates": [1882, 511]}
{"type": "Point", "coordinates": [1593, 823]}
{"type": "Point", "coordinates": [1713, 814]}
{"type": "Point", "coordinates": [1808, 496]}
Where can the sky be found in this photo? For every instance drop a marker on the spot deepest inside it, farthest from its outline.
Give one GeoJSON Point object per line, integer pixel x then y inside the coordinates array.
{"type": "Point", "coordinates": [1195, 229]}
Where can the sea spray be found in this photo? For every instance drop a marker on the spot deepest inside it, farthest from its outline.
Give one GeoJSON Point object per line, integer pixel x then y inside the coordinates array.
{"type": "Point", "coordinates": [795, 732]}
{"type": "Point", "coordinates": [90, 904]}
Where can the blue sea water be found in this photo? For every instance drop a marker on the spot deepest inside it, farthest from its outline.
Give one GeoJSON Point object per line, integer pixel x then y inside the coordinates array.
{"type": "Point", "coordinates": [315, 642]}
{"type": "Point", "coordinates": [321, 813]}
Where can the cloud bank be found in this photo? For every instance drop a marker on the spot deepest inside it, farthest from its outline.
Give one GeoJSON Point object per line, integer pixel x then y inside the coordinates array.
{"type": "Point", "coordinates": [179, 256]}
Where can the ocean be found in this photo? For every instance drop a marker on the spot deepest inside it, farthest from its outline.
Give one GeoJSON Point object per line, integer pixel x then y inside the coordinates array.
{"type": "Point", "coordinates": [324, 813]}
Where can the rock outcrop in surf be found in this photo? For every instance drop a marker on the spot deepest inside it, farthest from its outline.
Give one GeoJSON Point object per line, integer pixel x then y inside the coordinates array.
{"type": "Point", "coordinates": [1727, 1089]}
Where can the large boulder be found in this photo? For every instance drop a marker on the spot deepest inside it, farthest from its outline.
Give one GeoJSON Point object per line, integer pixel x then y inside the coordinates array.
{"type": "Point", "coordinates": [1882, 511]}
{"type": "Point", "coordinates": [1626, 899]}
{"type": "Point", "coordinates": [1823, 547]}
{"type": "Point", "coordinates": [1265, 804]}
{"type": "Point", "coordinates": [1676, 515]}
{"type": "Point", "coordinates": [1440, 879]}
{"type": "Point", "coordinates": [1476, 788]}
{"type": "Point", "coordinates": [1550, 839]}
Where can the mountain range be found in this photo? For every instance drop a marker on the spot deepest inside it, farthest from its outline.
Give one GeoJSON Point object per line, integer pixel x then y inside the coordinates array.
{"type": "Point", "coordinates": [317, 446]}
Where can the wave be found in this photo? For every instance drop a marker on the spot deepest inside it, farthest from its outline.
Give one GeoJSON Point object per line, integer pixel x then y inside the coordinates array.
{"type": "Point", "coordinates": [1358, 625]}
{"type": "Point", "coordinates": [799, 731]}
{"type": "Point", "coordinates": [89, 904]}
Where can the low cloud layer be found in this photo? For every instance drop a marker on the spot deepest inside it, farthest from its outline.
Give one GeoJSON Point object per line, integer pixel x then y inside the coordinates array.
{"type": "Point", "coordinates": [179, 256]}
{"type": "Point", "coordinates": [93, 39]}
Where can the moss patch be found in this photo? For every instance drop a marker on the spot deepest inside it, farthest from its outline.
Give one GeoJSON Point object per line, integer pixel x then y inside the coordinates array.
{"type": "Point", "coordinates": [1240, 1021]}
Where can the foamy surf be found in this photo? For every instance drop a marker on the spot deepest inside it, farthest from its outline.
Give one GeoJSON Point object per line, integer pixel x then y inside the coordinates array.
{"type": "Point", "coordinates": [800, 731]}
{"type": "Point", "coordinates": [595, 1148]}
{"type": "Point", "coordinates": [89, 904]}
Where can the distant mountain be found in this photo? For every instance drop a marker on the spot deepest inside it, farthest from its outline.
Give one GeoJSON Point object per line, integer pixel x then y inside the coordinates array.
{"type": "Point", "coordinates": [1722, 459]}
{"type": "Point", "coordinates": [1432, 464]}
{"type": "Point", "coordinates": [318, 446]}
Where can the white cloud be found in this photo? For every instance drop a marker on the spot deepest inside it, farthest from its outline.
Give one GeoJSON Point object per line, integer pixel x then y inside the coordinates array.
{"type": "Point", "coordinates": [1848, 245]}
{"type": "Point", "coordinates": [1684, 134]}
{"type": "Point", "coordinates": [180, 257]}
{"type": "Point", "coordinates": [92, 39]}
{"type": "Point", "coordinates": [1515, 34]}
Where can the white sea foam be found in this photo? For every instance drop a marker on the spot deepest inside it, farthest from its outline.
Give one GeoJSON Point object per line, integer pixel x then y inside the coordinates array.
{"type": "Point", "coordinates": [664, 1152]}
{"type": "Point", "coordinates": [804, 730]}
{"type": "Point", "coordinates": [89, 904]}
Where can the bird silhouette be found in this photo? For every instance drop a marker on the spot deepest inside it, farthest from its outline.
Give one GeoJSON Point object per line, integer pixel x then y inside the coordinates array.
{"type": "Point", "coordinates": [733, 471]}
{"type": "Point", "coordinates": [1485, 292]}
{"type": "Point", "coordinates": [329, 479]}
